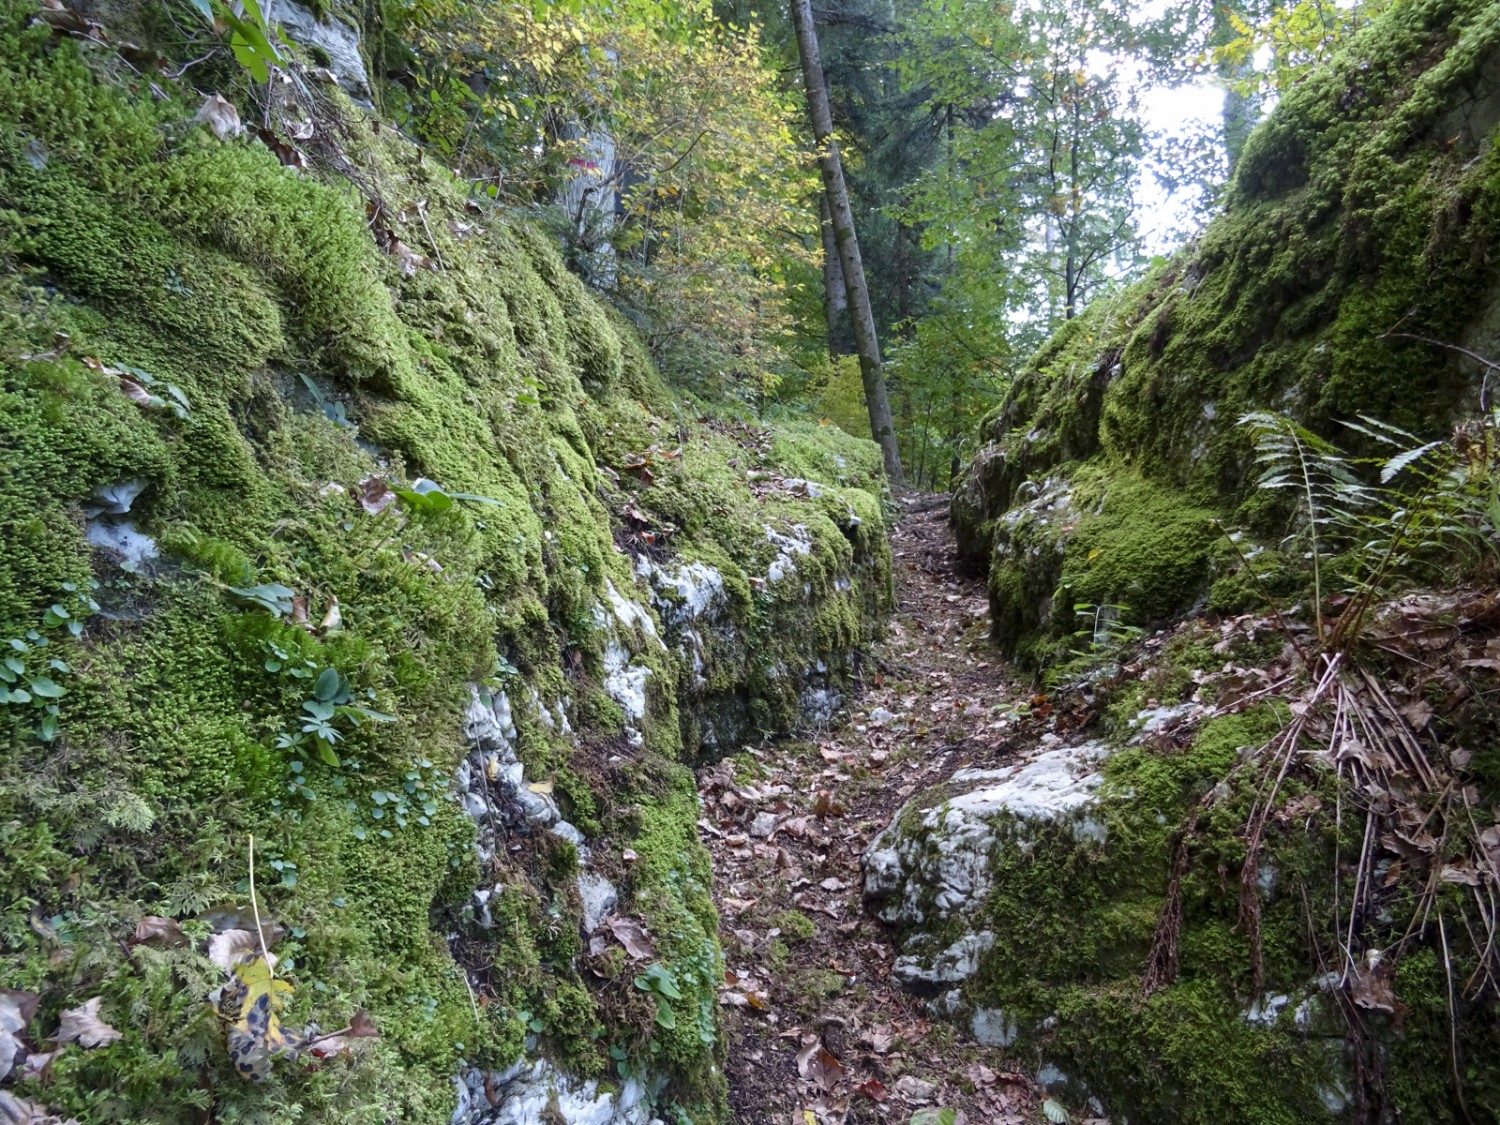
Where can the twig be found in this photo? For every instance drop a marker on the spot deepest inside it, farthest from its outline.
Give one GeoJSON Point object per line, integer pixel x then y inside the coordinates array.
{"type": "Point", "coordinates": [1458, 1082]}
{"type": "Point", "coordinates": [422, 214]}
{"type": "Point", "coordinates": [473, 1003]}
{"type": "Point", "coordinates": [260, 932]}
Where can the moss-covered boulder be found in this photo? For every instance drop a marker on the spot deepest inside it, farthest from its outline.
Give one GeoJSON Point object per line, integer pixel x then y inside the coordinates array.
{"type": "Point", "coordinates": [1351, 268]}
{"type": "Point", "coordinates": [338, 514]}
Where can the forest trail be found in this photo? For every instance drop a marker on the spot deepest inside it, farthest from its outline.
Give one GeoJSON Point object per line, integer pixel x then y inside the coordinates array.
{"type": "Point", "coordinates": [818, 1029]}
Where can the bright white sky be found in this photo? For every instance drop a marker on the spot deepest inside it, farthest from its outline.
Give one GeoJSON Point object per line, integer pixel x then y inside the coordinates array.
{"type": "Point", "coordinates": [1175, 111]}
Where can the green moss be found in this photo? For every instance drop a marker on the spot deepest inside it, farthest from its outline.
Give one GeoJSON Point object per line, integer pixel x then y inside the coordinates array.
{"type": "Point", "coordinates": [1355, 208]}
{"type": "Point", "coordinates": [794, 925]}
{"type": "Point", "coordinates": [310, 363]}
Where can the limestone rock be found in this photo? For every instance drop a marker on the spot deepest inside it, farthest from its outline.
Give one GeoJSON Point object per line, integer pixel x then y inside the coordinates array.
{"type": "Point", "coordinates": [931, 864]}
{"type": "Point", "coordinates": [330, 37]}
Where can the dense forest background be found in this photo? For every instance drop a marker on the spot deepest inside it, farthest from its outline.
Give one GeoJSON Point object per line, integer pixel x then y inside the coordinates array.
{"type": "Point", "coordinates": [1006, 165]}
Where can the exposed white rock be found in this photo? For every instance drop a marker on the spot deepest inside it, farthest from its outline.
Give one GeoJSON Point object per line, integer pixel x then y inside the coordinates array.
{"type": "Point", "coordinates": [957, 963]}
{"type": "Point", "coordinates": [128, 546]}
{"type": "Point", "coordinates": [993, 1028]}
{"type": "Point", "coordinates": [789, 546]}
{"type": "Point", "coordinates": [539, 809]}
{"type": "Point", "coordinates": [625, 682]}
{"type": "Point", "coordinates": [115, 499]}
{"type": "Point", "coordinates": [629, 613]}
{"type": "Point", "coordinates": [697, 587]}
{"type": "Point", "coordinates": [943, 854]}
{"type": "Point", "coordinates": [334, 38]}
{"type": "Point", "coordinates": [599, 897]}
{"type": "Point", "coordinates": [1265, 1011]}
{"type": "Point", "coordinates": [488, 725]}
{"type": "Point", "coordinates": [525, 1092]}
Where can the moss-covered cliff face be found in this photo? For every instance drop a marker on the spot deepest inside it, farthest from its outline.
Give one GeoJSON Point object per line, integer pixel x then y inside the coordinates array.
{"type": "Point", "coordinates": [1111, 931]}
{"type": "Point", "coordinates": [219, 622]}
{"type": "Point", "coordinates": [1363, 214]}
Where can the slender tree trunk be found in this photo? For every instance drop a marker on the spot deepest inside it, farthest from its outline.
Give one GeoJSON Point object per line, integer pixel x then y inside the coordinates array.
{"type": "Point", "coordinates": [1241, 111]}
{"type": "Point", "coordinates": [866, 342]}
{"type": "Point", "coordinates": [835, 297]}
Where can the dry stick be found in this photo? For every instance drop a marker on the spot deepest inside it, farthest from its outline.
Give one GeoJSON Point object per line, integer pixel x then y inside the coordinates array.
{"type": "Point", "coordinates": [422, 214]}
{"type": "Point", "coordinates": [1355, 904]}
{"type": "Point", "coordinates": [1458, 1082]}
{"type": "Point", "coordinates": [1260, 813]}
{"type": "Point", "coordinates": [255, 909]}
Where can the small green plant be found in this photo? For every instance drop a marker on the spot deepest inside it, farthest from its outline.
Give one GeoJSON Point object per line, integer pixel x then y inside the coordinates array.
{"type": "Point", "coordinates": [426, 496]}
{"type": "Point", "coordinates": [331, 702]}
{"type": "Point", "coordinates": [661, 984]}
{"type": "Point", "coordinates": [1103, 637]}
{"type": "Point", "coordinates": [272, 597]}
{"type": "Point", "coordinates": [250, 34]}
{"type": "Point", "coordinates": [29, 667]}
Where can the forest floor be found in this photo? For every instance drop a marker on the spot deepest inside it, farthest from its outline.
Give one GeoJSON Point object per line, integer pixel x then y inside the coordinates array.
{"type": "Point", "coordinates": [819, 1032]}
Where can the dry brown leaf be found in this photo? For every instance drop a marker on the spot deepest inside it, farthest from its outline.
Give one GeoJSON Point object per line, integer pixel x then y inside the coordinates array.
{"type": "Point", "coordinates": [630, 933]}
{"type": "Point", "coordinates": [913, 1091]}
{"type": "Point", "coordinates": [1370, 988]}
{"type": "Point", "coordinates": [220, 116]}
{"type": "Point", "coordinates": [817, 1064]}
{"type": "Point", "coordinates": [155, 930]}
{"type": "Point", "coordinates": [83, 1026]}
{"type": "Point", "coordinates": [375, 496]}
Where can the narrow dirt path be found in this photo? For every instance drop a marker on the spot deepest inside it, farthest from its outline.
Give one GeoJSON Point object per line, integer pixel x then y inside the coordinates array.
{"type": "Point", "coordinates": [818, 1029]}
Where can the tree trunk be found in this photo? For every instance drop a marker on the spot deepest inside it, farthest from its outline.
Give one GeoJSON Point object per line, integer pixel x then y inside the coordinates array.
{"type": "Point", "coordinates": [866, 343]}
{"type": "Point", "coordinates": [1241, 111]}
{"type": "Point", "coordinates": [835, 297]}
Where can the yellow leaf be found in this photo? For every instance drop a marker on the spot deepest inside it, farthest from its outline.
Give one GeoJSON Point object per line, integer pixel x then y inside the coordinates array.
{"type": "Point", "coordinates": [1094, 554]}
{"type": "Point", "coordinates": [255, 1001]}
{"type": "Point", "coordinates": [540, 787]}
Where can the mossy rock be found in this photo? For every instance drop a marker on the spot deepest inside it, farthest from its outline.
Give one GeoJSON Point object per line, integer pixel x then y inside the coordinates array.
{"type": "Point", "coordinates": [1350, 238]}
{"type": "Point", "coordinates": [239, 356]}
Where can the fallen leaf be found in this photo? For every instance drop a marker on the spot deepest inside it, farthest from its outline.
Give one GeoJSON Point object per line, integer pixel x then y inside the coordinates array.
{"type": "Point", "coordinates": [20, 1111]}
{"type": "Point", "coordinates": [137, 393]}
{"type": "Point", "coordinates": [817, 1064]}
{"type": "Point", "coordinates": [632, 935]}
{"type": "Point", "coordinates": [155, 930]}
{"type": "Point", "coordinates": [220, 116]}
{"type": "Point", "coordinates": [333, 620]}
{"type": "Point", "coordinates": [83, 1026]}
{"type": "Point", "coordinates": [289, 155]}
{"type": "Point", "coordinates": [16, 1011]}
{"type": "Point", "coordinates": [39, 1065]}
{"type": "Point", "coordinates": [254, 1002]}
{"type": "Point", "coordinates": [375, 496]}
{"type": "Point", "coordinates": [224, 949]}
{"type": "Point", "coordinates": [1370, 988]}
{"type": "Point", "coordinates": [913, 1091]}
{"type": "Point", "coordinates": [873, 1090]}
